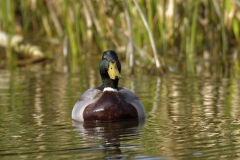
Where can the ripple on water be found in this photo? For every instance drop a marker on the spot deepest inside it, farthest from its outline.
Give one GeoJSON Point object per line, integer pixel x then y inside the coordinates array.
{"type": "Point", "coordinates": [187, 118]}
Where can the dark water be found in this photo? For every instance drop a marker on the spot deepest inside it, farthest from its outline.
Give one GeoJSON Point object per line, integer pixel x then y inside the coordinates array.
{"type": "Point", "coordinates": [188, 117]}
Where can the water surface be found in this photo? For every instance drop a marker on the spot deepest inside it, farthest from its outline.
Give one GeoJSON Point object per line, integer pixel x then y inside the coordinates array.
{"type": "Point", "coordinates": [188, 117]}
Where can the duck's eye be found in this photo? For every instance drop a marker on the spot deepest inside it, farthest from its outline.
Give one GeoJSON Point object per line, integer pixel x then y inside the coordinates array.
{"type": "Point", "coordinates": [105, 58]}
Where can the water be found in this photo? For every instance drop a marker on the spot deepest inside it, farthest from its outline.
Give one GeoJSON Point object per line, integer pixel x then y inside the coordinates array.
{"type": "Point", "coordinates": [188, 117]}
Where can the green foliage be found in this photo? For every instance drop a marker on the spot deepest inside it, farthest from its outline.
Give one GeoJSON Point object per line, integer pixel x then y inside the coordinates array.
{"type": "Point", "coordinates": [185, 28]}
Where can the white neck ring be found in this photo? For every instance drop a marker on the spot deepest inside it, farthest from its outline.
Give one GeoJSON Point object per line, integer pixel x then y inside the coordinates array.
{"type": "Point", "coordinates": [110, 89]}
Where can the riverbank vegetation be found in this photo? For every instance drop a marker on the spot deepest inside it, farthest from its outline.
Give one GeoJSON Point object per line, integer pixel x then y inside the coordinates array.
{"type": "Point", "coordinates": [147, 33]}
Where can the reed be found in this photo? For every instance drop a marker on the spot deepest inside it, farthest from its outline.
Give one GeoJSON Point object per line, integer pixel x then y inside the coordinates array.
{"type": "Point", "coordinates": [156, 30]}
{"type": "Point", "coordinates": [8, 17]}
{"type": "Point", "coordinates": [193, 30]}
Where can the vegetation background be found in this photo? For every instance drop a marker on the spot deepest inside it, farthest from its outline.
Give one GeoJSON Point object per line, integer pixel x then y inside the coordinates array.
{"type": "Point", "coordinates": [157, 35]}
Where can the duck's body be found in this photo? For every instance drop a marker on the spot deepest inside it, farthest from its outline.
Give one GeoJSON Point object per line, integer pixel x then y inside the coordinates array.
{"type": "Point", "coordinates": [98, 105]}
{"type": "Point", "coordinates": [108, 102]}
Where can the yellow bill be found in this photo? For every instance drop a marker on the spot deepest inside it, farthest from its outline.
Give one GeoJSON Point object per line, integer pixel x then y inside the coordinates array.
{"type": "Point", "coordinates": [113, 71]}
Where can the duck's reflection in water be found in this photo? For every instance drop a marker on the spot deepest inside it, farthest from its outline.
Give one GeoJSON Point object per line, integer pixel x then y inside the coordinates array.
{"type": "Point", "coordinates": [113, 133]}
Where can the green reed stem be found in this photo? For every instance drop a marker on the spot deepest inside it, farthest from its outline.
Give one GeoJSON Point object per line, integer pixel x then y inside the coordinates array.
{"type": "Point", "coordinates": [130, 43]}
{"type": "Point", "coordinates": [150, 14]}
{"type": "Point", "coordinates": [69, 30]}
{"type": "Point", "coordinates": [77, 28]}
{"type": "Point", "coordinates": [9, 21]}
{"type": "Point", "coordinates": [223, 32]}
{"type": "Point", "coordinates": [24, 10]}
{"type": "Point", "coordinates": [193, 30]}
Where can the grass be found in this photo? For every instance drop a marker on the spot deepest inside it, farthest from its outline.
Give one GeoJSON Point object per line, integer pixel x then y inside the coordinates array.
{"type": "Point", "coordinates": [155, 30]}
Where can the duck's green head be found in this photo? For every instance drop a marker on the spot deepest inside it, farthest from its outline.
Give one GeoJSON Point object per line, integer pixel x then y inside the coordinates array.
{"type": "Point", "coordinates": [110, 69]}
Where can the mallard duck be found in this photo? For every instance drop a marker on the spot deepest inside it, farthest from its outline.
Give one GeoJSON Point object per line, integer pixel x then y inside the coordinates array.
{"type": "Point", "coordinates": [108, 102]}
